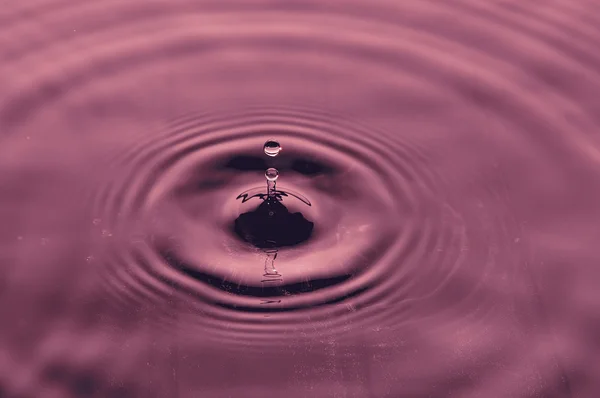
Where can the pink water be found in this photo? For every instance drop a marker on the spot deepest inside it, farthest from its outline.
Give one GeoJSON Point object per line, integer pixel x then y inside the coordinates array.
{"type": "Point", "coordinates": [449, 149]}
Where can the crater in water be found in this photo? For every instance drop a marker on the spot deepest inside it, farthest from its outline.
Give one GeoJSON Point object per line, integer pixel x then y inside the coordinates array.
{"type": "Point", "coordinates": [272, 225]}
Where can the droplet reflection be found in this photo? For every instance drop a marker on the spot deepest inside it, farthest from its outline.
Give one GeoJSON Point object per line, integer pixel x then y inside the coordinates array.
{"type": "Point", "coordinates": [272, 148]}
{"type": "Point", "coordinates": [272, 174]}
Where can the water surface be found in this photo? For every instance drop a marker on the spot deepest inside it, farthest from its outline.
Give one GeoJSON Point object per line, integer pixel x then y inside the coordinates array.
{"type": "Point", "coordinates": [448, 151]}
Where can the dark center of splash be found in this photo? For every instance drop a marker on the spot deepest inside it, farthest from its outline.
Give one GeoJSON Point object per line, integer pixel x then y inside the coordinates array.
{"type": "Point", "coordinates": [271, 224]}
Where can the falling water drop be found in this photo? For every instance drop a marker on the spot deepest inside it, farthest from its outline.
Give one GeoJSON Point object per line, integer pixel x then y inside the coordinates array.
{"type": "Point", "coordinates": [272, 174]}
{"type": "Point", "coordinates": [272, 148]}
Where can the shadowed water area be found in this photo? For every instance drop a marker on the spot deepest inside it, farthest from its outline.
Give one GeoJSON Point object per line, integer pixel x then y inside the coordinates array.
{"type": "Point", "coordinates": [433, 231]}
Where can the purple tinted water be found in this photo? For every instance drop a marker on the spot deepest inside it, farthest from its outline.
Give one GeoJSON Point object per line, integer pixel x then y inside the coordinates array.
{"type": "Point", "coordinates": [446, 151]}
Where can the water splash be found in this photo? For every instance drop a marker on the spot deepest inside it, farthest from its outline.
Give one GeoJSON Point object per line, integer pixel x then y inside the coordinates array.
{"type": "Point", "coordinates": [271, 224]}
{"type": "Point", "coordinates": [272, 175]}
{"type": "Point", "coordinates": [280, 195]}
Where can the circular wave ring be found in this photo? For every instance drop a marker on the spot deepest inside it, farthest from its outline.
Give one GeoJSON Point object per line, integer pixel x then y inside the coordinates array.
{"type": "Point", "coordinates": [414, 260]}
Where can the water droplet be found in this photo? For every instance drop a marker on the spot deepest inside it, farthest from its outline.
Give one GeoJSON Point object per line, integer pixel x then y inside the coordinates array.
{"type": "Point", "coordinates": [272, 174]}
{"type": "Point", "coordinates": [272, 148]}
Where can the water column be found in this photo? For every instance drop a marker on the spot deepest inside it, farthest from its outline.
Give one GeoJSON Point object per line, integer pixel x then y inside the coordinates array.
{"type": "Point", "coordinates": [272, 149]}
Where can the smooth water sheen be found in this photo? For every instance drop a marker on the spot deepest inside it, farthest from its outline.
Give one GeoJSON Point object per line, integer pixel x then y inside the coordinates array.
{"type": "Point", "coordinates": [447, 153]}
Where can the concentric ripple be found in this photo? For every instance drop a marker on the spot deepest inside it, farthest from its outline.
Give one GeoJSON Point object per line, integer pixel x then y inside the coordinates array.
{"type": "Point", "coordinates": [447, 151]}
{"type": "Point", "coordinates": [388, 235]}
{"type": "Point", "coordinates": [188, 189]}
